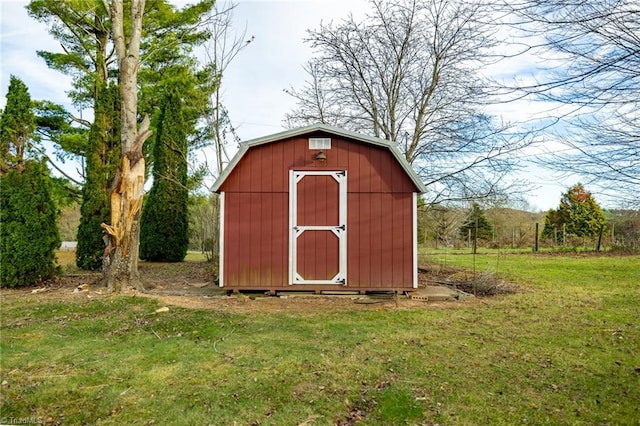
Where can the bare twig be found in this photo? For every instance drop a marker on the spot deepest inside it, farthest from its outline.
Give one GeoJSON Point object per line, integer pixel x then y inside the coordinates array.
{"type": "Point", "coordinates": [154, 332]}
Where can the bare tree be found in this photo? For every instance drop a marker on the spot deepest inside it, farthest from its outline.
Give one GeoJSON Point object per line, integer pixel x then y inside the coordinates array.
{"type": "Point", "coordinates": [588, 55]}
{"type": "Point", "coordinates": [123, 235]}
{"type": "Point", "coordinates": [221, 51]}
{"type": "Point", "coordinates": [410, 73]}
{"type": "Point", "coordinates": [442, 223]}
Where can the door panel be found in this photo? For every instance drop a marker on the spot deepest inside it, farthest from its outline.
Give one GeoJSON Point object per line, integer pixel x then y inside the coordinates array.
{"type": "Point", "coordinates": [318, 227]}
{"type": "Point", "coordinates": [318, 200]}
{"type": "Point", "coordinates": [318, 255]}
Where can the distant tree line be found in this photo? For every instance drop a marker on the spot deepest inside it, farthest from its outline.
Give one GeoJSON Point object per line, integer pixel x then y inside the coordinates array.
{"type": "Point", "coordinates": [578, 222]}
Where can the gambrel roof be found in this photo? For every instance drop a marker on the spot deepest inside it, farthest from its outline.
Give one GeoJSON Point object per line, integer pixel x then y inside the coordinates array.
{"type": "Point", "coordinates": [245, 146]}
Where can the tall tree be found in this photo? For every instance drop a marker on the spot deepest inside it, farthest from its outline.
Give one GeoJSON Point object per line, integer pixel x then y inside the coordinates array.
{"type": "Point", "coordinates": [101, 158]}
{"type": "Point", "coordinates": [589, 53]}
{"type": "Point", "coordinates": [83, 30]}
{"type": "Point", "coordinates": [123, 234]}
{"type": "Point", "coordinates": [169, 38]}
{"type": "Point", "coordinates": [410, 73]}
{"type": "Point", "coordinates": [578, 214]}
{"type": "Point", "coordinates": [28, 234]}
{"type": "Point", "coordinates": [17, 126]}
{"type": "Point", "coordinates": [164, 233]}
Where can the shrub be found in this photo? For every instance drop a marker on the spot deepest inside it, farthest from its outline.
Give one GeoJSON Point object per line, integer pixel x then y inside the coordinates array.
{"type": "Point", "coordinates": [102, 157]}
{"type": "Point", "coordinates": [29, 235]}
{"type": "Point", "coordinates": [164, 225]}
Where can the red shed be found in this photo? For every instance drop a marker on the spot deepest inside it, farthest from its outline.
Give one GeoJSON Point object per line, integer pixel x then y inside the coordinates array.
{"type": "Point", "coordinates": [318, 208]}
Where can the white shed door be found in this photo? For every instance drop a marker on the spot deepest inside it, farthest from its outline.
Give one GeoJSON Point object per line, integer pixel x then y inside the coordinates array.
{"type": "Point", "coordinates": [318, 227]}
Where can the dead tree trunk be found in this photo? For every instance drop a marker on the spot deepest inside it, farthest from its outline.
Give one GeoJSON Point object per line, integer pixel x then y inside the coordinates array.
{"type": "Point", "coordinates": [122, 237]}
{"type": "Point", "coordinates": [120, 264]}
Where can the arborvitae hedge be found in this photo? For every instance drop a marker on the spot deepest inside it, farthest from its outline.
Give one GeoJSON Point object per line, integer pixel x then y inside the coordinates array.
{"type": "Point", "coordinates": [164, 233]}
{"type": "Point", "coordinates": [28, 234]}
{"type": "Point", "coordinates": [102, 158]}
{"type": "Point", "coordinates": [94, 210]}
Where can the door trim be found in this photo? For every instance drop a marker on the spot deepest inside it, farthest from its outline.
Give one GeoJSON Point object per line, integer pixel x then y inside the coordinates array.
{"type": "Point", "coordinates": [296, 230]}
{"type": "Point", "coordinates": [221, 265]}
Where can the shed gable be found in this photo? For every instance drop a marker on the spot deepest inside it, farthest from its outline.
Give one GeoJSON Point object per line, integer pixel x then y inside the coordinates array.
{"type": "Point", "coordinates": [265, 168]}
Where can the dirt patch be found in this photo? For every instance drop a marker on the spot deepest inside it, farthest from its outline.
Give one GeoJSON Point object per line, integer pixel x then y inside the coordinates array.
{"type": "Point", "coordinates": [191, 285]}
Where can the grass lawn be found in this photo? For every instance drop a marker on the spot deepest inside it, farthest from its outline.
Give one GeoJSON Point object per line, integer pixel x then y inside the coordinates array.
{"type": "Point", "coordinates": [564, 350]}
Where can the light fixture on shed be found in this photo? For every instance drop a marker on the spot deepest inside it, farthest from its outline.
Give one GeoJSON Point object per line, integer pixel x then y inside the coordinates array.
{"type": "Point", "coordinates": [321, 156]}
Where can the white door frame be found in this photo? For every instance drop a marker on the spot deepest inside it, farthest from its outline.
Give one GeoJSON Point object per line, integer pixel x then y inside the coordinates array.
{"type": "Point", "coordinates": [221, 264]}
{"type": "Point", "coordinates": [295, 230]}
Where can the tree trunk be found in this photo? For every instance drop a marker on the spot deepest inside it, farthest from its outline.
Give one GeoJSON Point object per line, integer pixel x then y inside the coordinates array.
{"type": "Point", "coordinates": [120, 267]}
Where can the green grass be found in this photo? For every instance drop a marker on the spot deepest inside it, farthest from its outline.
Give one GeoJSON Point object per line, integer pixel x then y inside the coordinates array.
{"type": "Point", "coordinates": [195, 256]}
{"type": "Point", "coordinates": [564, 350]}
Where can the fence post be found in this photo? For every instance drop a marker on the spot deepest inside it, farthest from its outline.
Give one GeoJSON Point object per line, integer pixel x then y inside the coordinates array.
{"type": "Point", "coordinates": [535, 249]}
{"type": "Point", "coordinates": [599, 238]}
{"type": "Point", "coordinates": [475, 237]}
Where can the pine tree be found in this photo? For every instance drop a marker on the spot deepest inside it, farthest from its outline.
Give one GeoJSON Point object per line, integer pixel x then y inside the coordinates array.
{"type": "Point", "coordinates": [477, 217]}
{"type": "Point", "coordinates": [28, 231]}
{"type": "Point", "coordinates": [90, 33]}
{"type": "Point", "coordinates": [102, 158]}
{"type": "Point", "coordinates": [16, 126]}
{"type": "Point", "coordinates": [164, 224]}
{"type": "Point", "coordinates": [554, 221]}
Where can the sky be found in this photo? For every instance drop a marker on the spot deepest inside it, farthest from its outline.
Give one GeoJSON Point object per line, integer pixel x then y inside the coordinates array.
{"type": "Point", "coordinates": [253, 87]}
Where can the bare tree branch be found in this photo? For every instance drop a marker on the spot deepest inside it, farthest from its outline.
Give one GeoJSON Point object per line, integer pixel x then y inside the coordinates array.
{"type": "Point", "coordinates": [410, 73]}
{"type": "Point", "coordinates": [592, 54]}
{"type": "Point", "coordinates": [221, 51]}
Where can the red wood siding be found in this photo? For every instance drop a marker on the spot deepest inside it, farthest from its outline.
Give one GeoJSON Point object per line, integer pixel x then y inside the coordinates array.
{"type": "Point", "coordinates": [379, 215]}
{"type": "Point", "coordinates": [380, 240]}
{"type": "Point", "coordinates": [256, 240]}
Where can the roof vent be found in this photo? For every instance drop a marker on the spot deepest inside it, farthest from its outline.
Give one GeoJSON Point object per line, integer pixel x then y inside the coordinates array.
{"type": "Point", "coordinates": [319, 143]}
